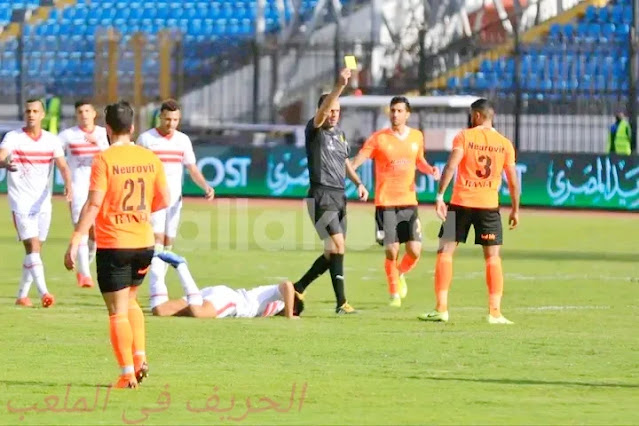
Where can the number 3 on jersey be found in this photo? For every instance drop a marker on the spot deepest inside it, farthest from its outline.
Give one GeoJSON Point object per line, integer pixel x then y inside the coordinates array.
{"type": "Point", "coordinates": [129, 185]}
{"type": "Point", "coordinates": [484, 162]}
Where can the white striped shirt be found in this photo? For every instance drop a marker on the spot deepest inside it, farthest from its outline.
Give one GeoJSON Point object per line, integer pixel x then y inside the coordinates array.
{"type": "Point", "coordinates": [175, 151]}
{"type": "Point", "coordinates": [29, 187]}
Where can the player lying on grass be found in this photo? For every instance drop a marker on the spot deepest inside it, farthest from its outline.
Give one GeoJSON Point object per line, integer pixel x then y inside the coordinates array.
{"type": "Point", "coordinates": [221, 301]}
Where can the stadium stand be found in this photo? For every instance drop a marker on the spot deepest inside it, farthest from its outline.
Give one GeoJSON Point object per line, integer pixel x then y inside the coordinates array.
{"type": "Point", "coordinates": [61, 48]}
{"type": "Point", "coordinates": [590, 54]}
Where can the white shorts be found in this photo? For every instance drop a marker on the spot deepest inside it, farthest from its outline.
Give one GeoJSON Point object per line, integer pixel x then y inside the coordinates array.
{"type": "Point", "coordinates": [76, 206]}
{"type": "Point", "coordinates": [35, 225]}
{"type": "Point", "coordinates": [166, 221]}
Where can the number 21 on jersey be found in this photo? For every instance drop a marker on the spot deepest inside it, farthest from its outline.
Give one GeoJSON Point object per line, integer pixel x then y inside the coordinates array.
{"type": "Point", "coordinates": [132, 187]}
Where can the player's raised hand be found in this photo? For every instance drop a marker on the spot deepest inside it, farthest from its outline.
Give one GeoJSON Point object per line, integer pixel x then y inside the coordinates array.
{"type": "Point", "coordinates": [209, 194]}
{"type": "Point", "coordinates": [362, 192]}
{"type": "Point", "coordinates": [70, 256]}
{"type": "Point", "coordinates": [344, 75]}
{"type": "Point", "coordinates": [513, 219]}
{"type": "Point", "coordinates": [441, 209]}
{"type": "Point", "coordinates": [437, 174]}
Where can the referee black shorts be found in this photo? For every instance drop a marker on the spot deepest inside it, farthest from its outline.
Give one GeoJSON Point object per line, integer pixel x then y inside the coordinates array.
{"type": "Point", "coordinates": [327, 210]}
{"type": "Point", "coordinates": [121, 268]}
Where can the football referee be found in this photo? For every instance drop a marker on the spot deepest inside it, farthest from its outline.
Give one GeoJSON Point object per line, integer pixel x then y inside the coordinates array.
{"type": "Point", "coordinates": [327, 152]}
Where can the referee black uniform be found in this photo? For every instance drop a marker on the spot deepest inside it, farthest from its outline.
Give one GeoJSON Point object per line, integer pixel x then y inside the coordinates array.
{"type": "Point", "coordinates": [327, 153]}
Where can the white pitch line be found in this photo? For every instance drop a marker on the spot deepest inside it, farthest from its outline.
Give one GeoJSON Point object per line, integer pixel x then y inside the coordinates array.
{"type": "Point", "coordinates": [536, 308]}
{"type": "Point", "coordinates": [525, 277]}
{"type": "Point", "coordinates": [528, 308]}
{"type": "Point", "coordinates": [369, 278]}
{"type": "Point", "coordinates": [562, 308]}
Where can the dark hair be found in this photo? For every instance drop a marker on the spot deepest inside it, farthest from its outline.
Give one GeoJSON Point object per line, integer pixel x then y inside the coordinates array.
{"type": "Point", "coordinates": [482, 105]}
{"type": "Point", "coordinates": [82, 102]}
{"type": "Point", "coordinates": [119, 117]}
{"type": "Point", "coordinates": [321, 99]}
{"type": "Point", "coordinates": [401, 100]}
{"type": "Point", "coordinates": [170, 105]}
{"type": "Point", "coordinates": [33, 100]}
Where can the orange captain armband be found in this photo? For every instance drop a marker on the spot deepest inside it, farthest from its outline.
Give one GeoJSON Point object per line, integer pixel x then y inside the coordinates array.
{"type": "Point", "coordinates": [76, 238]}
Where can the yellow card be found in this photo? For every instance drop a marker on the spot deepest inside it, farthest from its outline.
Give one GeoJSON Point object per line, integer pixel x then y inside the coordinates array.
{"type": "Point", "coordinates": [351, 62]}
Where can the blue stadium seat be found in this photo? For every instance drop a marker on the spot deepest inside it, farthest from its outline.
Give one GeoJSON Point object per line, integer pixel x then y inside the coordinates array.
{"type": "Point", "coordinates": [486, 66]}
{"type": "Point", "coordinates": [602, 16]}
{"type": "Point", "coordinates": [622, 31]}
{"type": "Point", "coordinates": [607, 32]}
{"type": "Point", "coordinates": [62, 47]}
{"type": "Point", "coordinates": [583, 30]}
{"type": "Point", "coordinates": [590, 54]}
{"type": "Point", "coordinates": [627, 15]}
{"type": "Point", "coordinates": [568, 32]}
{"type": "Point", "coordinates": [616, 13]}
{"type": "Point", "coordinates": [594, 32]}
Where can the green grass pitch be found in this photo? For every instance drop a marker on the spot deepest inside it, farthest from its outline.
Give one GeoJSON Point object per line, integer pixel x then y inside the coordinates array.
{"type": "Point", "coordinates": [571, 358]}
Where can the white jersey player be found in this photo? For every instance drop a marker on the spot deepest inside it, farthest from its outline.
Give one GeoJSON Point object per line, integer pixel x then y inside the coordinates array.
{"type": "Point", "coordinates": [221, 301]}
{"type": "Point", "coordinates": [81, 143]}
{"type": "Point", "coordinates": [175, 150]}
{"type": "Point", "coordinates": [28, 154]}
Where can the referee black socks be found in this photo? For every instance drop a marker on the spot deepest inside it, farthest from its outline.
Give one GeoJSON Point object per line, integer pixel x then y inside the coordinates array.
{"type": "Point", "coordinates": [336, 268]}
{"type": "Point", "coordinates": [319, 267]}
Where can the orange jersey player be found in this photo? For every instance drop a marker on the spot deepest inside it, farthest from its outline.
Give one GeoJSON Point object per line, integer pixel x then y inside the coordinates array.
{"type": "Point", "coordinates": [127, 185]}
{"type": "Point", "coordinates": [397, 151]}
{"type": "Point", "coordinates": [480, 155]}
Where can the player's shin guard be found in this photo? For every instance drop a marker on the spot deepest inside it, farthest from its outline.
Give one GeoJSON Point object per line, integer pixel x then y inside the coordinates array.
{"type": "Point", "coordinates": [122, 342]}
{"type": "Point", "coordinates": [336, 268]}
{"type": "Point", "coordinates": [408, 262]}
{"type": "Point", "coordinates": [26, 280]}
{"type": "Point", "coordinates": [392, 277]}
{"type": "Point", "coordinates": [83, 257]}
{"type": "Point", "coordinates": [158, 292]}
{"type": "Point", "coordinates": [495, 283]}
{"type": "Point", "coordinates": [320, 266]}
{"type": "Point", "coordinates": [34, 263]}
{"type": "Point", "coordinates": [136, 320]}
{"type": "Point", "coordinates": [443, 278]}
{"type": "Point", "coordinates": [191, 291]}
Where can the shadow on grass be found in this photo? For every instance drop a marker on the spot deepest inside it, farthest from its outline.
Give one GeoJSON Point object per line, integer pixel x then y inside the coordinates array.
{"type": "Point", "coordinates": [529, 382]}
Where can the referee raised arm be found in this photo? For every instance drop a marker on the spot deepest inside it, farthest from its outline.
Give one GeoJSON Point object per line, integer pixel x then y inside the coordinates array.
{"type": "Point", "coordinates": [327, 152]}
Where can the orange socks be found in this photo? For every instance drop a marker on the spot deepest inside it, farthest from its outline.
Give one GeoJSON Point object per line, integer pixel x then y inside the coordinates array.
{"type": "Point", "coordinates": [136, 319]}
{"type": "Point", "coordinates": [443, 277]}
{"type": "Point", "coordinates": [392, 276]}
{"type": "Point", "coordinates": [495, 282]}
{"type": "Point", "coordinates": [408, 262]}
{"type": "Point", "coordinates": [122, 341]}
